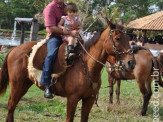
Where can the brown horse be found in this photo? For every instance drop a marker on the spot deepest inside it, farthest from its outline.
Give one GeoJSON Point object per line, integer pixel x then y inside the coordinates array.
{"type": "Point", "coordinates": [160, 60]}
{"type": "Point", "coordinates": [142, 73]}
{"type": "Point", "coordinates": [81, 81]}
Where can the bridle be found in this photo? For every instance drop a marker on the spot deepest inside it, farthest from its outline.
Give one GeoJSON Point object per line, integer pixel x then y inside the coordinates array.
{"type": "Point", "coordinates": [129, 51]}
{"type": "Point", "coordinates": [117, 53]}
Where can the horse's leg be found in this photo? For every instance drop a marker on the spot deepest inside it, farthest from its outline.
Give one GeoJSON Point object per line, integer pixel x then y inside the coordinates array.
{"type": "Point", "coordinates": [111, 80]}
{"type": "Point", "coordinates": [149, 92]}
{"type": "Point", "coordinates": [141, 84]}
{"type": "Point", "coordinates": [72, 102]}
{"type": "Point", "coordinates": [87, 104]}
{"type": "Point", "coordinates": [17, 91]}
{"type": "Point", "coordinates": [118, 91]}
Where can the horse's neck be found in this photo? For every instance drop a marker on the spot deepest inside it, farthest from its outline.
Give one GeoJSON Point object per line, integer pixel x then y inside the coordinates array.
{"type": "Point", "coordinates": [97, 52]}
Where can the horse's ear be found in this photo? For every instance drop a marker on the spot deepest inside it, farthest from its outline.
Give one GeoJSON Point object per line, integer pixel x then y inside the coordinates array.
{"type": "Point", "coordinates": [112, 26]}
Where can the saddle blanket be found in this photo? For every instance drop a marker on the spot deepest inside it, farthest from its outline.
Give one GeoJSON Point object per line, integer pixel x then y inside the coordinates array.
{"type": "Point", "coordinates": [156, 52]}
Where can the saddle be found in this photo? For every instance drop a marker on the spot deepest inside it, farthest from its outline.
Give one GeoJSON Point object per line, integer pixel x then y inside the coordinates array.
{"type": "Point", "coordinates": [59, 64]}
{"type": "Point", "coordinates": [38, 55]}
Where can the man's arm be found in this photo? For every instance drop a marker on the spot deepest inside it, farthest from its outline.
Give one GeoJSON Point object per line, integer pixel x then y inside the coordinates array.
{"type": "Point", "coordinates": [56, 30]}
{"type": "Point", "coordinates": [60, 25]}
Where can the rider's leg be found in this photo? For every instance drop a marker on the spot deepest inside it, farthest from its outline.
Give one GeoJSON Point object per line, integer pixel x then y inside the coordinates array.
{"type": "Point", "coordinates": [52, 51]}
{"type": "Point", "coordinates": [70, 47]}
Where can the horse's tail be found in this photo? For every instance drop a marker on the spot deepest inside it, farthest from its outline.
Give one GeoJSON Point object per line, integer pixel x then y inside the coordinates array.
{"type": "Point", "coordinates": [4, 78]}
{"type": "Point", "coordinates": [156, 72]}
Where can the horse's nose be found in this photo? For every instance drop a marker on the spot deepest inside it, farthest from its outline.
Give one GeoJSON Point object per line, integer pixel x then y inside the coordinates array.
{"type": "Point", "coordinates": [131, 64]}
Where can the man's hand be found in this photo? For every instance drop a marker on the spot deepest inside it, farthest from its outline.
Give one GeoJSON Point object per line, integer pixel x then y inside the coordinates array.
{"type": "Point", "coordinates": [74, 25]}
{"type": "Point", "coordinates": [74, 33]}
{"type": "Point", "coordinates": [48, 35]}
{"type": "Point", "coordinates": [65, 31]}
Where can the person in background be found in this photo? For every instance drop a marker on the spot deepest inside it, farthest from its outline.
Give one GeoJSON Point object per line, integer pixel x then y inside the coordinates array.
{"type": "Point", "coordinates": [71, 11]}
{"type": "Point", "coordinates": [52, 15]}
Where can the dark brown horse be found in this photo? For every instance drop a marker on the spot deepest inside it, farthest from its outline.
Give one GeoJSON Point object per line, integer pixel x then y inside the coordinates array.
{"type": "Point", "coordinates": [160, 60]}
{"type": "Point", "coordinates": [142, 73]}
{"type": "Point", "coordinates": [81, 81]}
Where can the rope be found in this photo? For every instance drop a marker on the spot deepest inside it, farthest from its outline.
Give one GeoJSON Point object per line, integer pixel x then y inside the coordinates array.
{"type": "Point", "coordinates": [92, 56]}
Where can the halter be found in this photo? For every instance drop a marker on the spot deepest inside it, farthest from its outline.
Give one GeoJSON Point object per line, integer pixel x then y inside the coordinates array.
{"type": "Point", "coordinates": [117, 53]}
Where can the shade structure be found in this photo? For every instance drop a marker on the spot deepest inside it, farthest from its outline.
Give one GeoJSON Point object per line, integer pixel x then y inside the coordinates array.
{"type": "Point", "coordinates": [150, 22]}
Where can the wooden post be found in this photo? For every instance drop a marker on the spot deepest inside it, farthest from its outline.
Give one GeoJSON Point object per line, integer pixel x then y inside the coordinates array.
{"type": "Point", "coordinates": [144, 37]}
{"type": "Point", "coordinates": [22, 33]}
{"type": "Point", "coordinates": [22, 22]}
{"type": "Point", "coordinates": [34, 31]}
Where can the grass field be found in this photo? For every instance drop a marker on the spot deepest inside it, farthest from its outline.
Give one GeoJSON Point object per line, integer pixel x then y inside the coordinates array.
{"type": "Point", "coordinates": [33, 107]}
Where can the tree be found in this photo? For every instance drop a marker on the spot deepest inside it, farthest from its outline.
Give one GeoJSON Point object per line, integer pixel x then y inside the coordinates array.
{"type": "Point", "coordinates": [3, 12]}
{"type": "Point", "coordinates": [157, 3]}
{"type": "Point", "coordinates": [128, 10]}
{"type": "Point", "coordinates": [91, 11]}
{"type": "Point", "coordinates": [16, 8]}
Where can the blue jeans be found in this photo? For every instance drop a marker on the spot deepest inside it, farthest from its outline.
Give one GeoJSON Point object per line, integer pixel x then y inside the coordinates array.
{"type": "Point", "coordinates": [52, 51]}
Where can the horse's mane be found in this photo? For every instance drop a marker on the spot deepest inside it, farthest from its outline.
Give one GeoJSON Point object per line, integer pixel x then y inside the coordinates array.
{"type": "Point", "coordinates": [96, 36]}
{"type": "Point", "coordinates": [92, 41]}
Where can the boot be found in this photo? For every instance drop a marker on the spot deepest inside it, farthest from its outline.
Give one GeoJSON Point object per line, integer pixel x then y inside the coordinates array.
{"type": "Point", "coordinates": [70, 49]}
{"type": "Point", "coordinates": [47, 93]}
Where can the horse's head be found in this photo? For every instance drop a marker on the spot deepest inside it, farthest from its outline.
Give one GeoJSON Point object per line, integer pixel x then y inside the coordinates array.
{"type": "Point", "coordinates": [117, 45]}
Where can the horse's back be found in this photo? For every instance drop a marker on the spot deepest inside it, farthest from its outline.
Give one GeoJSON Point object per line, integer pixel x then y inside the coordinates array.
{"type": "Point", "coordinates": [59, 64]}
{"type": "Point", "coordinates": [143, 63]}
{"type": "Point", "coordinates": [143, 57]}
{"type": "Point", "coordinates": [18, 59]}
{"type": "Point", "coordinates": [22, 49]}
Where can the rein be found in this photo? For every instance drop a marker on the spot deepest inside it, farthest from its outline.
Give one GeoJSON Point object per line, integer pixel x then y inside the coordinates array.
{"type": "Point", "coordinates": [92, 56]}
{"type": "Point", "coordinates": [93, 85]}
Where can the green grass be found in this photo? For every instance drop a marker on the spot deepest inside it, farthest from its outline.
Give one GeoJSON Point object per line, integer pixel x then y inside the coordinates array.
{"type": "Point", "coordinates": [2, 56]}
{"type": "Point", "coordinates": [33, 107]}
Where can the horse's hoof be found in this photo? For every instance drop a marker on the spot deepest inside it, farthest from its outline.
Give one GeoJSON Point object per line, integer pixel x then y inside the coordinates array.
{"type": "Point", "coordinates": [118, 103]}
{"type": "Point", "coordinates": [143, 113]}
{"type": "Point", "coordinates": [110, 102]}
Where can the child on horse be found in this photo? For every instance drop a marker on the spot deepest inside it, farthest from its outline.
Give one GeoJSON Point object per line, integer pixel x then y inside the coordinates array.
{"type": "Point", "coordinates": [71, 11]}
